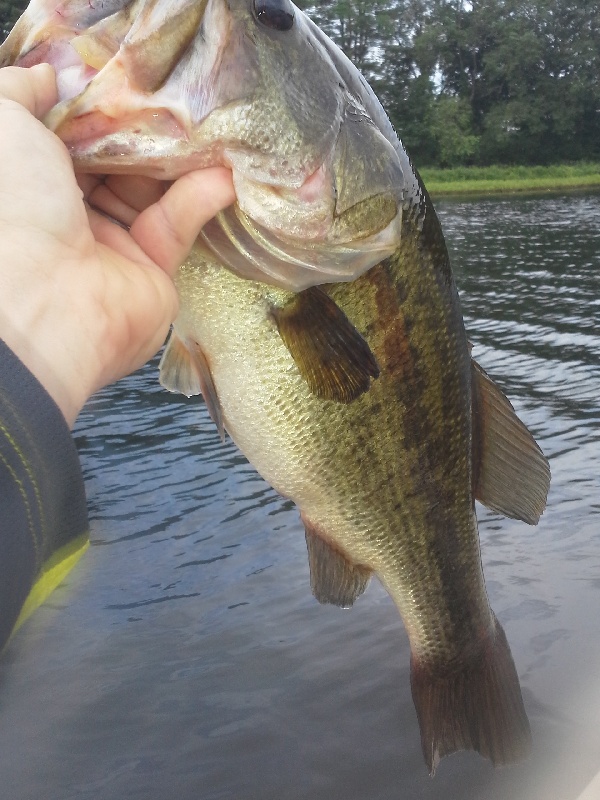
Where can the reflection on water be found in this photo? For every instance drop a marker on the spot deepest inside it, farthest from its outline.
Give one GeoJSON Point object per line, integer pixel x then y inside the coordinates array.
{"type": "Point", "coordinates": [186, 658]}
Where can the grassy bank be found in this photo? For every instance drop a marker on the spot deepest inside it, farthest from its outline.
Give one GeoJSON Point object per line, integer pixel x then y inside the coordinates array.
{"type": "Point", "coordinates": [500, 179]}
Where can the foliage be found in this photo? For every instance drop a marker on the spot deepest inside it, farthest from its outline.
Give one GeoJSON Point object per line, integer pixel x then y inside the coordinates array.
{"type": "Point", "coordinates": [10, 11]}
{"type": "Point", "coordinates": [503, 178]}
{"type": "Point", "coordinates": [479, 81]}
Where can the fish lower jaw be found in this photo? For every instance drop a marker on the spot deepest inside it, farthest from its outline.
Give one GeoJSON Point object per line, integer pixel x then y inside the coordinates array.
{"type": "Point", "coordinates": [151, 142]}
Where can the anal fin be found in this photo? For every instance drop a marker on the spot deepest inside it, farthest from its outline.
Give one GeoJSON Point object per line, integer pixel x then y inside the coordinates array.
{"type": "Point", "coordinates": [184, 368]}
{"type": "Point", "coordinates": [332, 356]}
{"type": "Point", "coordinates": [511, 474]}
{"type": "Point", "coordinates": [333, 578]}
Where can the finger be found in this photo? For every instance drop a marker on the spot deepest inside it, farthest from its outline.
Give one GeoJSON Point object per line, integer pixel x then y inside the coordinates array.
{"type": "Point", "coordinates": [103, 199]}
{"type": "Point", "coordinates": [108, 233]}
{"type": "Point", "coordinates": [121, 197]}
{"type": "Point", "coordinates": [167, 230]}
{"type": "Point", "coordinates": [88, 182]}
{"type": "Point", "coordinates": [136, 191]}
{"type": "Point", "coordinates": [33, 88]}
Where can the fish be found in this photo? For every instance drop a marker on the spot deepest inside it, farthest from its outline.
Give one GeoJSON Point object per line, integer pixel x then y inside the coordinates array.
{"type": "Point", "coordinates": [319, 318]}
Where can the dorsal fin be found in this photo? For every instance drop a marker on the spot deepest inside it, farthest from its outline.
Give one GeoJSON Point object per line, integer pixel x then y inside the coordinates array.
{"type": "Point", "coordinates": [183, 368]}
{"type": "Point", "coordinates": [333, 578]}
{"type": "Point", "coordinates": [332, 356]}
{"type": "Point", "coordinates": [510, 473]}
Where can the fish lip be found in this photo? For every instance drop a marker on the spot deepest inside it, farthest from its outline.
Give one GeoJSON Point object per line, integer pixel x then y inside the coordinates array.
{"type": "Point", "coordinates": [100, 125]}
{"type": "Point", "coordinates": [98, 142]}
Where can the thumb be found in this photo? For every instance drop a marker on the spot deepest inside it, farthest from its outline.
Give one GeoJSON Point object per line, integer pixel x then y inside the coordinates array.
{"type": "Point", "coordinates": [33, 88]}
{"type": "Point", "coordinates": [166, 230]}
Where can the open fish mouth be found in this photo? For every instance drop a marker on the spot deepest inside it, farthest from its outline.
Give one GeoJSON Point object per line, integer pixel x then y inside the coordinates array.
{"type": "Point", "coordinates": [120, 106]}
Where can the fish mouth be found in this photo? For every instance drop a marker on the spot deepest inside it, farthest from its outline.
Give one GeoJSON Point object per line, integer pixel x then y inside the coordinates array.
{"type": "Point", "coordinates": [118, 109]}
{"type": "Point", "coordinates": [72, 73]}
{"type": "Point", "coordinates": [96, 140]}
{"type": "Point", "coordinates": [151, 89]}
{"type": "Point", "coordinates": [162, 87]}
{"type": "Point", "coordinates": [100, 135]}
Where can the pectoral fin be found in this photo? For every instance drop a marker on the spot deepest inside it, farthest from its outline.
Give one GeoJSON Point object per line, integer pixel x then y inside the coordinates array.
{"type": "Point", "coordinates": [511, 474]}
{"type": "Point", "coordinates": [184, 368]}
{"type": "Point", "coordinates": [333, 578]}
{"type": "Point", "coordinates": [332, 356]}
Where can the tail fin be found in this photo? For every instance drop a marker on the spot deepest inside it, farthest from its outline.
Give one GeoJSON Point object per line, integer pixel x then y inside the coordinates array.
{"type": "Point", "coordinates": [476, 707]}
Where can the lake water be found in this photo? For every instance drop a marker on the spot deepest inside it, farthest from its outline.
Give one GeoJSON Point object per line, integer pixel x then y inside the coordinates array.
{"type": "Point", "coordinates": [185, 657]}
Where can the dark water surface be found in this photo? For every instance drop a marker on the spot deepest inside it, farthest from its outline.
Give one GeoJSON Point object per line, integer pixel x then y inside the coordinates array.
{"type": "Point", "coordinates": [185, 657]}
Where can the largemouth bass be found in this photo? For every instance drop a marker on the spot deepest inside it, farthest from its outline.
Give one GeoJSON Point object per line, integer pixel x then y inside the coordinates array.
{"type": "Point", "coordinates": [319, 318]}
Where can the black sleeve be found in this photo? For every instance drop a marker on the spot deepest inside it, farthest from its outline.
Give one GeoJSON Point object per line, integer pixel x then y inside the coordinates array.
{"type": "Point", "coordinates": [43, 516]}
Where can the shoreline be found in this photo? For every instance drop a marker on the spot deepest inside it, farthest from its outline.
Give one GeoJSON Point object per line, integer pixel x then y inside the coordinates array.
{"type": "Point", "coordinates": [465, 181]}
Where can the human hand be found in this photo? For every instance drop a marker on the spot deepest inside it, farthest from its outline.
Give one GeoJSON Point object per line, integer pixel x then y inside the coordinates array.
{"type": "Point", "coordinates": [83, 300]}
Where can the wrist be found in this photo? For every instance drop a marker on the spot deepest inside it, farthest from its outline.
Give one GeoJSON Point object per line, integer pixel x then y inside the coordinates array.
{"type": "Point", "coordinates": [45, 366]}
{"type": "Point", "coordinates": [47, 336]}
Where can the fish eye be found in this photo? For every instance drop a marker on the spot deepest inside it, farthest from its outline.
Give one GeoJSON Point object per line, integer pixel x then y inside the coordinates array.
{"type": "Point", "coordinates": [276, 14]}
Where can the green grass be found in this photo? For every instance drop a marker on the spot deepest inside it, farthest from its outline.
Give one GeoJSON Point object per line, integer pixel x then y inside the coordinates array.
{"type": "Point", "coordinates": [500, 179]}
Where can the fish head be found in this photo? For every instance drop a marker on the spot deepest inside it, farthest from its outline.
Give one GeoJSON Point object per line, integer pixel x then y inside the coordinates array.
{"type": "Point", "coordinates": [161, 87]}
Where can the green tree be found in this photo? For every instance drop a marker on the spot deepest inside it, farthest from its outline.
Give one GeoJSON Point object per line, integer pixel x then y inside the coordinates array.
{"type": "Point", "coordinates": [529, 72]}
{"type": "Point", "coordinates": [361, 28]}
{"type": "Point", "coordinates": [452, 131]}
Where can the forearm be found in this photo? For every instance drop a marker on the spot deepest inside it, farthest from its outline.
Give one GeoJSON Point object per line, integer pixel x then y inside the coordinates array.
{"type": "Point", "coordinates": [43, 517]}
{"type": "Point", "coordinates": [83, 302]}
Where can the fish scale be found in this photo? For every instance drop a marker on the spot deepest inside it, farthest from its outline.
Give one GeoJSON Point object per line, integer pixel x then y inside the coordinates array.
{"type": "Point", "coordinates": [384, 481]}
{"type": "Point", "coordinates": [384, 503]}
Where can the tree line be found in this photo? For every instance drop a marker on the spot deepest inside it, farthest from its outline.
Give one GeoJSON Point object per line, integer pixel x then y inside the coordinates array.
{"type": "Point", "coordinates": [497, 81]}
{"type": "Point", "coordinates": [470, 82]}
